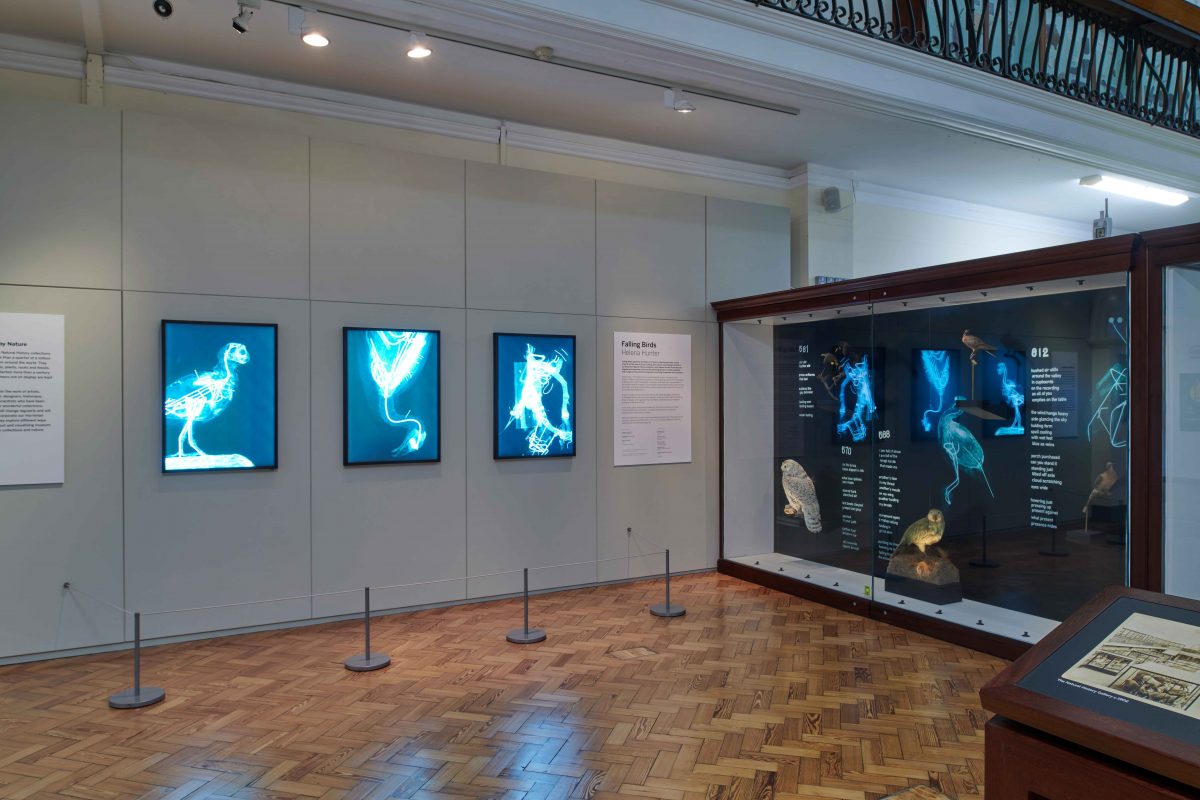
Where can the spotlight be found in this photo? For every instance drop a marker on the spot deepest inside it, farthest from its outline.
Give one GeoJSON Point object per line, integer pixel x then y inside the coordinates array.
{"type": "Point", "coordinates": [163, 8]}
{"type": "Point", "coordinates": [246, 9]}
{"type": "Point", "coordinates": [417, 46]}
{"type": "Point", "coordinates": [298, 25]}
{"type": "Point", "coordinates": [675, 100]}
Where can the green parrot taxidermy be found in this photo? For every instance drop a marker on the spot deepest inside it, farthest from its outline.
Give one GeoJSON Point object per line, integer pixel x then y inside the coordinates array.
{"type": "Point", "coordinates": [925, 531]}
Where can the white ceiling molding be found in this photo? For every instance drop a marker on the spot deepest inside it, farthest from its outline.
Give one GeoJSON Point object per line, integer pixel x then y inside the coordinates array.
{"type": "Point", "coordinates": [233, 87]}
{"type": "Point", "coordinates": [44, 58]}
{"type": "Point", "coordinates": [739, 49]}
{"type": "Point", "coordinates": [820, 176]}
{"type": "Point", "coordinates": [213, 84]}
{"type": "Point", "coordinates": [596, 147]}
{"type": "Point", "coordinates": [874, 194]}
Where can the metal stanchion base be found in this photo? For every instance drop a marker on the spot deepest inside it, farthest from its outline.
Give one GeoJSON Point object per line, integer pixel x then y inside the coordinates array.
{"type": "Point", "coordinates": [367, 663]}
{"type": "Point", "coordinates": [148, 696]}
{"type": "Point", "coordinates": [522, 636]}
{"type": "Point", "coordinates": [983, 562]}
{"type": "Point", "coordinates": [664, 610]}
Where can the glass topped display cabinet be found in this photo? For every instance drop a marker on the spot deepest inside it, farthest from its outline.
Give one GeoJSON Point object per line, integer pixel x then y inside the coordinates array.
{"type": "Point", "coordinates": [1172, 262]}
{"type": "Point", "coordinates": [947, 448]}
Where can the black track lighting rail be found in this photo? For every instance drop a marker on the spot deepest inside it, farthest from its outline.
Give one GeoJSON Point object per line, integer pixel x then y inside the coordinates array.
{"type": "Point", "coordinates": [579, 66]}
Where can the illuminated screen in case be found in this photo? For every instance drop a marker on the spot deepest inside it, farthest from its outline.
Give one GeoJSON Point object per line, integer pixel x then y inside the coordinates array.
{"type": "Point", "coordinates": [392, 394]}
{"type": "Point", "coordinates": [219, 395]}
{"type": "Point", "coordinates": [534, 396]}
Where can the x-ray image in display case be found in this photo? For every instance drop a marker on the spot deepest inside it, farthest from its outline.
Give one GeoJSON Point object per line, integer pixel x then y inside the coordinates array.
{"type": "Point", "coordinates": [959, 455]}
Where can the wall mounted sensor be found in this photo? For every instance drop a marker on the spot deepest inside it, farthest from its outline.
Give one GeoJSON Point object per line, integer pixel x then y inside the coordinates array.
{"type": "Point", "coordinates": [831, 199]}
{"type": "Point", "coordinates": [1102, 225]}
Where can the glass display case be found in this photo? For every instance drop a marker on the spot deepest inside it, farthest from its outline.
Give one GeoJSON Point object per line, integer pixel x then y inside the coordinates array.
{"type": "Point", "coordinates": [961, 456]}
{"type": "Point", "coordinates": [1181, 419]}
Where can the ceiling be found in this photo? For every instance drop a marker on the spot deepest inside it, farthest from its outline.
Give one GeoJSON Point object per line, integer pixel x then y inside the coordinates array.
{"type": "Point", "coordinates": [370, 60]}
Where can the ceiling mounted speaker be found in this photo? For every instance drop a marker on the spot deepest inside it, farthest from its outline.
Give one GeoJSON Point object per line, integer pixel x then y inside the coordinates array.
{"type": "Point", "coordinates": [831, 199]}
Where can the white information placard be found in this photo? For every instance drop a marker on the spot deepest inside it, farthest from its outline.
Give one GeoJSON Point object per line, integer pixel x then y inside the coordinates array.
{"type": "Point", "coordinates": [32, 370]}
{"type": "Point", "coordinates": [652, 398]}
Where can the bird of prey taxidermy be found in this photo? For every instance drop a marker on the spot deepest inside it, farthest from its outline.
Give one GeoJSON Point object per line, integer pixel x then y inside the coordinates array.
{"type": "Point", "coordinates": [925, 531]}
{"type": "Point", "coordinates": [831, 374]}
{"type": "Point", "coordinates": [801, 495]}
{"type": "Point", "coordinates": [1104, 483]}
{"type": "Point", "coordinates": [975, 344]}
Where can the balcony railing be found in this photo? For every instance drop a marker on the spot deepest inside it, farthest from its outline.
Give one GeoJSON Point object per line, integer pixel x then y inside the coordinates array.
{"type": "Point", "coordinates": [1056, 45]}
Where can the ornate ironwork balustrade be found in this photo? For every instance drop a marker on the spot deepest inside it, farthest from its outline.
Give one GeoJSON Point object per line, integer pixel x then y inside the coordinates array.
{"type": "Point", "coordinates": [1057, 45]}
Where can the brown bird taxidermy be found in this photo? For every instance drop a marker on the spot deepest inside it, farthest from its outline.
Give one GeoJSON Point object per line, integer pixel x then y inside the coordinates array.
{"type": "Point", "coordinates": [976, 344]}
{"type": "Point", "coordinates": [1103, 484]}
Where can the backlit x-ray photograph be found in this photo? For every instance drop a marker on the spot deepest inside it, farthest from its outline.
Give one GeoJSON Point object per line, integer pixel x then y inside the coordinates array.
{"type": "Point", "coordinates": [534, 396]}
{"type": "Point", "coordinates": [219, 396]}
{"type": "Point", "coordinates": [392, 394]}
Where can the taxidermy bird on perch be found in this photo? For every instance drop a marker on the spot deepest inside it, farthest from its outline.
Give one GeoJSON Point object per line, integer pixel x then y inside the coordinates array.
{"type": "Point", "coordinates": [975, 344]}
{"type": "Point", "coordinates": [1104, 483]}
{"type": "Point", "coordinates": [926, 531]}
{"type": "Point", "coordinates": [801, 495]}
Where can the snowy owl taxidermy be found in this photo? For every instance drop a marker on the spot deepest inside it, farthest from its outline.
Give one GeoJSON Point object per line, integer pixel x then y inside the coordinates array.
{"type": "Point", "coordinates": [801, 495]}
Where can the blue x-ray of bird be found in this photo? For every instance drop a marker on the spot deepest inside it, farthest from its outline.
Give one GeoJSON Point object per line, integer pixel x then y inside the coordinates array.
{"type": "Point", "coordinates": [219, 391]}
{"type": "Point", "coordinates": [856, 400]}
{"type": "Point", "coordinates": [934, 386]}
{"type": "Point", "coordinates": [1110, 398]}
{"type": "Point", "coordinates": [535, 395]}
{"type": "Point", "coordinates": [1005, 383]}
{"type": "Point", "coordinates": [963, 449]}
{"type": "Point", "coordinates": [392, 393]}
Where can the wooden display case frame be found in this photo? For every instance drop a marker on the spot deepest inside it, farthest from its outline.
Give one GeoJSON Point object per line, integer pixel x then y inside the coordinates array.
{"type": "Point", "coordinates": [1141, 256]}
{"type": "Point", "coordinates": [1125, 743]}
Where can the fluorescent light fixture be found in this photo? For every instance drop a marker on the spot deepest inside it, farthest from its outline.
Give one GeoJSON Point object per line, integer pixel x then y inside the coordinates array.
{"type": "Point", "coordinates": [1135, 189]}
{"type": "Point", "coordinates": [675, 100]}
{"type": "Point", "coordinates": [298, 25]}
{"type": "Point", "coordinates": [417, 47]}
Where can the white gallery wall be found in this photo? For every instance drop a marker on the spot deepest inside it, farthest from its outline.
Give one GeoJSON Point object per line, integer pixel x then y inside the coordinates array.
{"type": "Point", "coordinates": [118, 219]}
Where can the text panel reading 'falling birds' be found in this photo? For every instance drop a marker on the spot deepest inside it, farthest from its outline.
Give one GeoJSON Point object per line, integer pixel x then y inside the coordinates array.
{"type": "Point", "coordinates": [652, 398]}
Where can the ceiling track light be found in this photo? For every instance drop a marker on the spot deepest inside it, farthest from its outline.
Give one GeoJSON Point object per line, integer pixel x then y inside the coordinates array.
{"type": "Point", "coordinates": [1127, 187]}
{"type": "Point", "coordinates": [246, 9]}
{"type": "Point", "coordinates": [418, 47]}
{"type": "Point", "coordinates": [675, 100]}
{"type": "Point", "coordinates": [300, 25]}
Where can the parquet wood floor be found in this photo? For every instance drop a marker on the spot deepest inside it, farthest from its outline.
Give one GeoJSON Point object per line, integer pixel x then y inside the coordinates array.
{"type": "Point", "coordinates": [753, 694]}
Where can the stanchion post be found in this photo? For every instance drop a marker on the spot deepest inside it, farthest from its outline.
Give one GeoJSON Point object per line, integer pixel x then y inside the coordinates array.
{"type": "Point", "coordinates": [138, 696]}
{"type": "Point", "coordinates": [666, 609]}
{"type": "Point", "coordinates": [366, 661]}
{"type": "Point", "coordinates": [983, 560]}
{"type": "Point", "coordinates": [526, 635]}
{"type": "Point", "coordinates": [1054, 551]}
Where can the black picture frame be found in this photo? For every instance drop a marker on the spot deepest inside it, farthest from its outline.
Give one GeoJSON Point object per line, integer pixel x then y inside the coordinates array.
{"type": "Point", "coordinates": [346, 462]}
{"type": "Point", "coordinates": [496, 338]}
{"type": "Point", "coordinates": [164, 383]}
